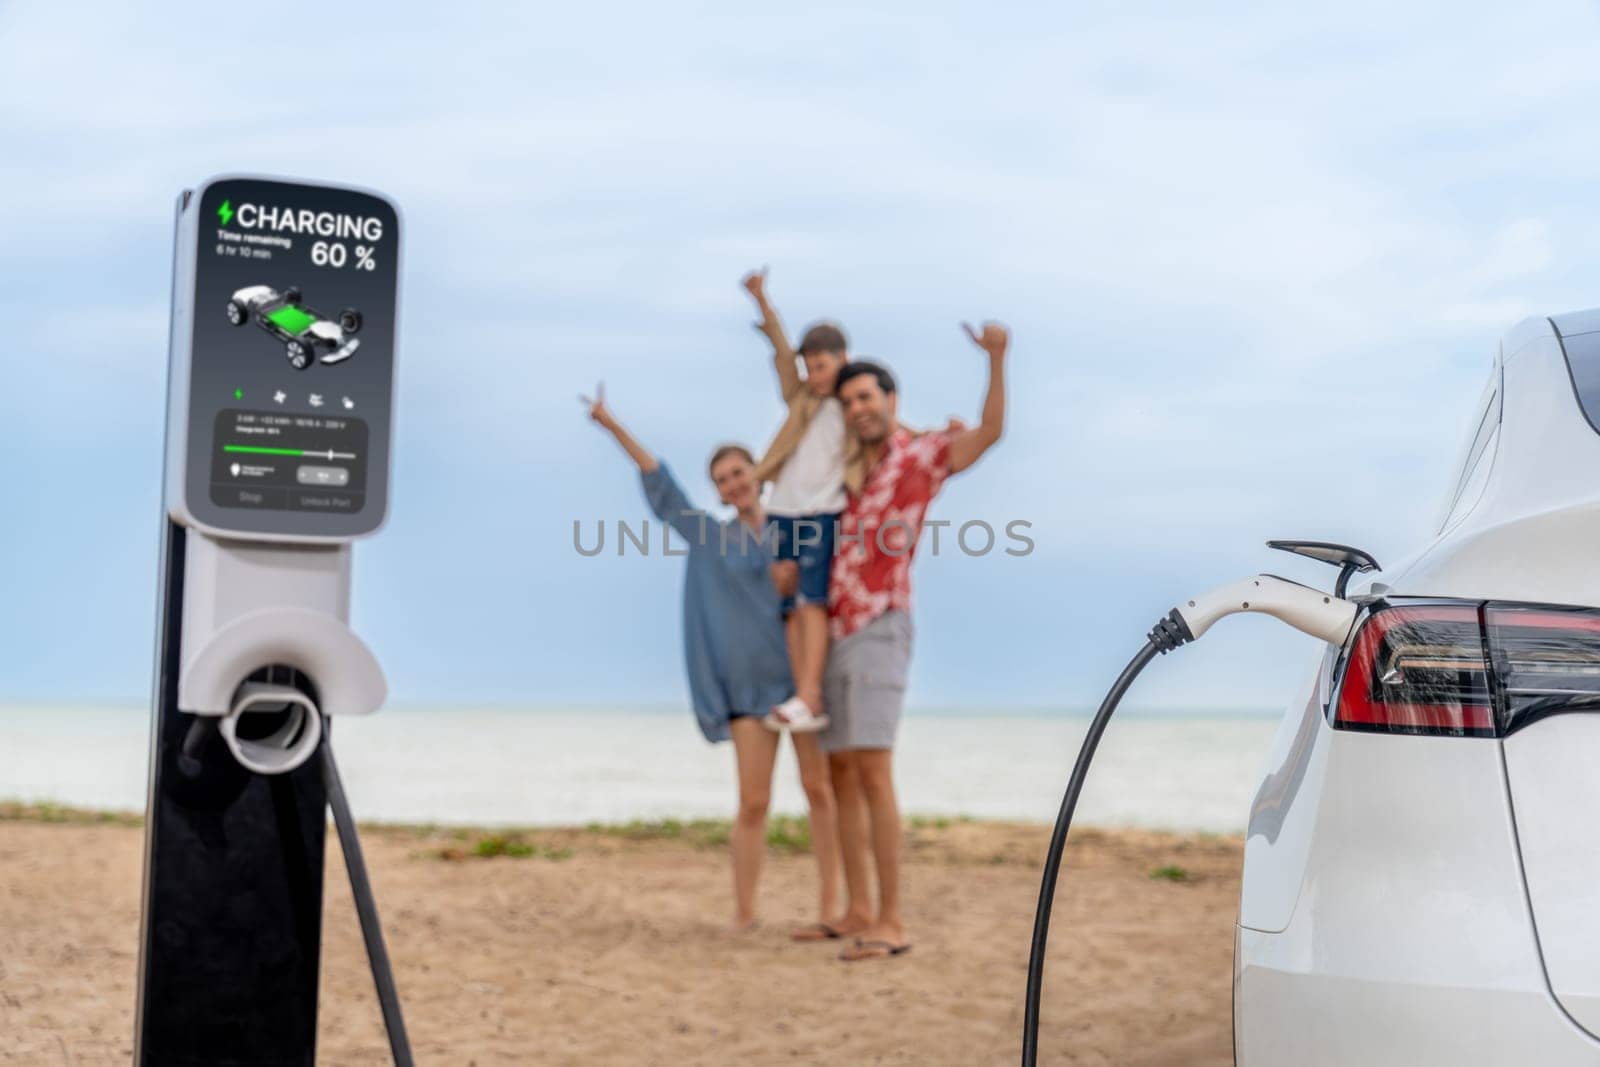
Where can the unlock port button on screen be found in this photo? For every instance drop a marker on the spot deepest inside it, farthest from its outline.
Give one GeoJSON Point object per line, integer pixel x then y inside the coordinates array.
{"type": "Point", "coordinates": [330, 476]}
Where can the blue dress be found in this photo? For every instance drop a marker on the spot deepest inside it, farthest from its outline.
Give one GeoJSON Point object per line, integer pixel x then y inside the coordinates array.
{"type": "Point", "coordinates": [733, 647]}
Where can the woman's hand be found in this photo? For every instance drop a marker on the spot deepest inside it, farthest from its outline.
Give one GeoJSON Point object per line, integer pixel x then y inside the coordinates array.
{"type": "Point", "coordinates": [608, 422]}
{"type": "Point", "coordinates": [597, 406]}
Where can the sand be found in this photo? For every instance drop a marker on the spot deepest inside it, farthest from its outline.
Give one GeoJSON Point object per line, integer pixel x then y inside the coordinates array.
{"type": "Point", "coordinates": [611, 948]}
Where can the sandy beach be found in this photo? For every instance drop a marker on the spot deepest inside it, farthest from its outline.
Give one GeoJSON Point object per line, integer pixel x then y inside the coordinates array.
{"type": "Point", "coordinates": [608, 945]}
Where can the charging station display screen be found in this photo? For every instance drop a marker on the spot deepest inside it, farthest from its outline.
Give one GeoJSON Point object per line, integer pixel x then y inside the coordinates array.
{"type": "Point", "coordinates": [291, 362]}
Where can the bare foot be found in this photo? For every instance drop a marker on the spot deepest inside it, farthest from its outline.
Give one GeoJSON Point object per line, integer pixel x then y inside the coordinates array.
{"type": "Point", "coordinates": [744, 926]}
{"type": "Point", "coordinates": [821, 931]}
{"type": "Point", "coordinates": [830, 930]}
{"type": "Point", "coordinates": [879, 941]}
{"type": "Point", "coordinates": [851, 926]}
{"type": "Point", "coordinates": [884, 931]}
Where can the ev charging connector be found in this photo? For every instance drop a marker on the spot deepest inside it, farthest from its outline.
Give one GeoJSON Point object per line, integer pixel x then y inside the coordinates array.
{"type": "Point", "coordinates": [277, 459]}
{"type": "Point", "coordinates": [1322, 615]}
{"type": "Point", "coordinates": [1327, 617]}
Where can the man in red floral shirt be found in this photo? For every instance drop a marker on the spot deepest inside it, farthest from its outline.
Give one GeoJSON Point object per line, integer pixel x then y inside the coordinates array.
{"type": "Point", "coordinates": [869, 607]}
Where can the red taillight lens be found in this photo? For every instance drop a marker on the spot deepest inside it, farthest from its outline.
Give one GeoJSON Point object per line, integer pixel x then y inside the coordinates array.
{"type": "Point", "coordinates": [1546, 660]}
{"type": "Point", "coordinates": [1421, 668]}
{"type": "Point", "coordinates": [1418, 669]}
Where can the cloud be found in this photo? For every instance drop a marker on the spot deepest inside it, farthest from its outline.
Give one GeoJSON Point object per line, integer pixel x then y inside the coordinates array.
{"type": "Point", "coordinates": [1256, 260]}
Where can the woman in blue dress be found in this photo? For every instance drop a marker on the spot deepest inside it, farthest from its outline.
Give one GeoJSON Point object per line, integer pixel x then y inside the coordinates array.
{"type": "Point", "coordinates": [737, 664]}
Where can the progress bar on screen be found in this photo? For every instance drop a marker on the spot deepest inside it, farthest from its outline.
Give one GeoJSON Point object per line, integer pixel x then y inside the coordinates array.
{"type": "Point", "coordinates": [259, 450]}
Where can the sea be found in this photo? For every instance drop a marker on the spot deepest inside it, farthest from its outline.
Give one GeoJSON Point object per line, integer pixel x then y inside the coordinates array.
{"type": "Point", "coordinates": [1157, 769]}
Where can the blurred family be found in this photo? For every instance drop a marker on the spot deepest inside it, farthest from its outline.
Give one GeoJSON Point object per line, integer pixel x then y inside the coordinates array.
{"type": "Point", "coordinates": [797, 611]}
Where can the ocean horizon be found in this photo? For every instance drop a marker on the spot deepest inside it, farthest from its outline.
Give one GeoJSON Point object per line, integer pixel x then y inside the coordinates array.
{"type": "Point", "coordinates": [1129, 710]}
{"type": "Point", "coordinates": [1170, 768]}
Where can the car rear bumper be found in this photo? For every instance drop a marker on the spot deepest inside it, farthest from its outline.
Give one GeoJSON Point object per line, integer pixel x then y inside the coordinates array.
{"type": "Point", "coordinates": [1285, 1014]}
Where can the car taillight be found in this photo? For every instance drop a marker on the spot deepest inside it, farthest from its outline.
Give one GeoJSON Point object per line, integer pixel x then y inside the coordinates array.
{"type": "Point", "coordinates": [1418, 669]}
{"type": "Point", "coordinates": [1546, 660]}
{"type": "Point", "coordinates": [1468, 669]}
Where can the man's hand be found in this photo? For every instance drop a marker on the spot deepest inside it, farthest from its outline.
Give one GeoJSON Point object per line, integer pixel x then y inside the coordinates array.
{"type": "Point", "coordinates": [994, 339]}
{"type": "Point", "coordinates": [785, 577]}
{"type": "Point", "coordinates": [967, 446]}
{"type": "Point", "coordinates": [755, 283]}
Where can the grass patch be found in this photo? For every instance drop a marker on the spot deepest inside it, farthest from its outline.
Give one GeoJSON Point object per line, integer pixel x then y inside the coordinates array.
{"type": "Point", "coordinates": [702, 833]}
{"type": "Point", "coordinates": [1170, 872]}
{"type": "Point", "coordinates": [14, 811]}
{"type": "Point", "coordinates": [511, 846]}
{"type": "Point", "coordinates": [499, 845]}
{"type": "Point", "coordinates": [789, 834]}
{"type": "Point", "coordinates": [785, 833]}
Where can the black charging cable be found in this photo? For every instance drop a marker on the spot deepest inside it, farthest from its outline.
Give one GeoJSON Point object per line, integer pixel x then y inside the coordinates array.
{"type": "Point", "coordinates": [1168, 634]}
{"type": "Point", "coordinates": [394, 1022]}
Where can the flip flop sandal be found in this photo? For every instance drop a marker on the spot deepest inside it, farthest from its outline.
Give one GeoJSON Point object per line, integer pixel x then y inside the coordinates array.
{"type": "Point", "coordinates": [796, 715]}
{"type": "Point", "coordinates": [816, 932]}
{"type": "Point", "coordinates": [873, 950]}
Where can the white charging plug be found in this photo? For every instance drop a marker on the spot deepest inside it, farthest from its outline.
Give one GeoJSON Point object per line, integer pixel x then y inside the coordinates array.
{"type": "Point", "coordinates": [1312, 611]}
{"type": "Point", "coordinates": [1308, 610]}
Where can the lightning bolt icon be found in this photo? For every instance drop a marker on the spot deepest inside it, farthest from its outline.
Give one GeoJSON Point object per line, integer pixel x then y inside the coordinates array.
{"type": "Point", "coordinates": [225, 212]}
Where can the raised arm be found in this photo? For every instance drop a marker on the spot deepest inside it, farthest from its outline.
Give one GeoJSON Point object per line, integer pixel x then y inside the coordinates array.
{"type": "Point", "coordinates": [968, 445]}
{"type": "Point", "coordinates": [783, 356]}
{"type": "Point", "coordinates": [608, 422]}
{"type": "Point", "coordinates": [661, 490]}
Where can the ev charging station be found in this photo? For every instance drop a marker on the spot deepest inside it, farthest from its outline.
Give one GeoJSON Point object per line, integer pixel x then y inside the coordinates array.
{"type": "Point", "coordinates": [279, 427]}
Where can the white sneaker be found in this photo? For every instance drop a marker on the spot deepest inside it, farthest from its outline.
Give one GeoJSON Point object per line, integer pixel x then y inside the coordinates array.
{"type": "Point", "coordinates": [795, 714]}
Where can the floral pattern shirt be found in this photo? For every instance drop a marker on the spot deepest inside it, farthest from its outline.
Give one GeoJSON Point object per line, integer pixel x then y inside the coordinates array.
{"type": "Point", "coordinates": [880, 528]}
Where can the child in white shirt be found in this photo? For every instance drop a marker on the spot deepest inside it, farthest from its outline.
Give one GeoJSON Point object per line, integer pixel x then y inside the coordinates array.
{"type": "Point", "coordinates": [807, 463]}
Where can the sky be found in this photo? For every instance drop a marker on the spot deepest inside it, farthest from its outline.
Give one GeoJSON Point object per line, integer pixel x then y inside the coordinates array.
{"type": "Point", "coordinates": [1256, 260]}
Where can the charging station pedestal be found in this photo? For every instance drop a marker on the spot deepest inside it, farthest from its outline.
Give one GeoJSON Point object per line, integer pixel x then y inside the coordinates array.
{"type": "Point", "coordinates": [281, 387]}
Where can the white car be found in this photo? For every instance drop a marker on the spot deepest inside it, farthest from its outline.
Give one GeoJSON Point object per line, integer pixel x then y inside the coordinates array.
{"type": "Point", "coordinates": [1422, 869]}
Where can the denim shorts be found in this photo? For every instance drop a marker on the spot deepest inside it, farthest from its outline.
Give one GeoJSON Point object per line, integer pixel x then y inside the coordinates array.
{"type": "Point", "coordinates": [807, 539]}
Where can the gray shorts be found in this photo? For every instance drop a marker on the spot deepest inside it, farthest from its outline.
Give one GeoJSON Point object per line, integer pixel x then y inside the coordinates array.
{"type": "Point", "coordinates": [864, 686]}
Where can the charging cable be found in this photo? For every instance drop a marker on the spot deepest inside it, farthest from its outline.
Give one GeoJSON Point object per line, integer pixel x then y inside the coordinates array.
{"type": "Point", "coordinates": [1306, 609]}
{"type": "Point", "coordinates": [394, 1022]}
